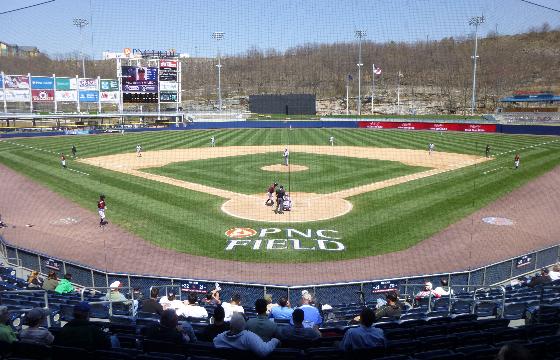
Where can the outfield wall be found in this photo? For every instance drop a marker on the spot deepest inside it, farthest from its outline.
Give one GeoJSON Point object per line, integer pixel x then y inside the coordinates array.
{"type": "Point", "coordinates": [325, 293]}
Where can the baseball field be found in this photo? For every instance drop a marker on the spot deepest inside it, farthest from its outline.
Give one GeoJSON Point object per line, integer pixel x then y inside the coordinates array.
{"type": "Point", "coordinates": [373, 192]}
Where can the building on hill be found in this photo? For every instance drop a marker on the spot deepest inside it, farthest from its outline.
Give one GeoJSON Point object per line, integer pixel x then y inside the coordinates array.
{"type": "Point", "coordinates": [16, 50]}
{"type": "Point", "coordinates": [530, 101]}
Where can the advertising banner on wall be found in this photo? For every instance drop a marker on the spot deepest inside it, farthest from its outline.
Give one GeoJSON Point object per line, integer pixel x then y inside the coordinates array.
{"type": "Point", "coordinates": [427, 126]}
{"type": "Point", "coordinates": [89, 96]}
{"type": "Point", "coordinates": [42, 95]}
{"type": "Point", "coordinates": [66, 95]}
{"type": "Point", "coordinates": [109, 97]}
{"type": "Point", "coordinates": [165, 64]}
{"type": "Point", "coordinates": [66, 84]}
{"type": "Point", "coordinates": [42, 83]}
{"type": "Point", "coordinates": [168, 86]}
{"type": "Point", "coordinates": [16, 95]}
{"type": "Point", "coordinates": [166, 97]}
{"type": "Point", "coordinates": [109, 85]}
{"type": "Point", "coordinates": [139, 79]}
{"type": "Point", "coordinates": [16, 82]}
{"type": "Point", "coordinates": [87, 84]}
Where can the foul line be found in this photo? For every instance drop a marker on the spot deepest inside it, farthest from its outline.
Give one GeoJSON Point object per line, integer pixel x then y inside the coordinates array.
{"type": "Point", "coordinates": [492, 170]}
{"type": "Point", "coordinates": [527, 147]}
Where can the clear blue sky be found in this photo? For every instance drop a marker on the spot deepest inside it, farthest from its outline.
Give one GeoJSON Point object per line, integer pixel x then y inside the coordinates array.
{"type": "Point", "coordinates": [280, 24]}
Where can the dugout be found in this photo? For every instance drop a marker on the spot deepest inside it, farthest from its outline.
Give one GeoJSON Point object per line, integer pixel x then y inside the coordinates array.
{"type": "Point", "coordinates": [290, 104]}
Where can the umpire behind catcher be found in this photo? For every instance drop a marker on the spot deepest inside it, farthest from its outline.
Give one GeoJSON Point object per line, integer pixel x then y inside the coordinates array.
{"type": "Point", "coordinates": [280, 193]}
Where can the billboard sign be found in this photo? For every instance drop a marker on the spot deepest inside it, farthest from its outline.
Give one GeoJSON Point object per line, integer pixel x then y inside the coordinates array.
{"type": "Point", "coordinates": [166, 97]}
{"type": "Point", "coordinates": [165, 64]}
{"type": "Point", "coordinates": [42, 95]}
{"type": "Point", "coordinates": [109, 85]}
{"type": "Point", "coordinates": [42, 83]}
{"type": "Point", "coordinates": [87, 84]}
{"type": "Point", "coordinates": [66, 84]}
{"type": "Point", "coordinates": [137, 97]}
{"type": "Point", "coordinates": [89, 96]}
{"type": "Point", "coordinates": [17, 95]}
{"type": "Point", "coordinates": [427, 126]}
{"type": "Point", "coordinates": [139, 79]}
{"type": "Point", "coordinates": [109, 96]}
{"type": "Point", "coordinates": [65, 95]}
{"type": "Point", "coordinates": [168, 86]}
{"type": "Point", "coordinates": [20, 82]}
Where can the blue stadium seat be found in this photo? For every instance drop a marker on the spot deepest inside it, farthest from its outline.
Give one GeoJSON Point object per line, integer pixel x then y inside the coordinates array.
{"type": "Point", "coordinates": [437, 355]}
{"type": "Point", "coordinates": [485, 309]}
{"type": "Point", "coordinates": [406, 347]}
{"type": "Point", "coordinates": [513, 311]}
{"type": "Point", "coordinates": [462, 307]}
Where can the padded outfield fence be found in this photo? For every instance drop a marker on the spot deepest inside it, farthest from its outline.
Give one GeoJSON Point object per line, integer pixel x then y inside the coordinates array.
{"type": "Point", "coordinates": [340, 293]}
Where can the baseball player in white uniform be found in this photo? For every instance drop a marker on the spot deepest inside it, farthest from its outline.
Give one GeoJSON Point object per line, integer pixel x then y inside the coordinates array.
{"type": "Point", "coordinates": [431, 148]}
{"type": "Point", "coordinates": [331, 140]}
{"type": "Point", "coordinates": [286, 157]}
{"type": "Point", "coordinates": [138, 150]}
{"type": "Point", "coordinates": [212, 141]}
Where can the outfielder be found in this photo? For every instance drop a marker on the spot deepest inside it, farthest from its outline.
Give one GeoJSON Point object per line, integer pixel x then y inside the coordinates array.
{"type": "Point", "coordinates": [74, 151]}
{"type": "Point", "coordinates": [270, 193]}
{"type": "Point", "coordinates": [286, 156]}
{"type": "Point", "coordinates": [431, 148]}
{"type": "Point", "coordinates": [212, 141]}
{"type": "Point", "coordinates": [138, 150]}
{"type": "Point", "coordinates": [331, 140]}
{"type": "Point", "coordinates": [101, 206]}
{"type": "Point", "coordinates": [487, 150]}
{"type": "Point", "coordinates": [516, 161]}
{"type": "Point", "coordinates": [63, 160]}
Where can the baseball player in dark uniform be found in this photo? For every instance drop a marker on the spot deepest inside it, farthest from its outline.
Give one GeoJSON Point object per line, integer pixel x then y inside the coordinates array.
{"type": "Point", "coordinates": [487, 150]}
{"type": "Point", "coordinates": [101, 206]}
{"type": "Point", "coordinates": [280, 192]}
{"type": "Point", "coordinates": [74, 151]}
{"type": "Point", "coordinates": [270, 193]}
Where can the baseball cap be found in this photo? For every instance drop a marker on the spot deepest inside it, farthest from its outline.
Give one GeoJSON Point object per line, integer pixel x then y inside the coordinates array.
{"type": "Point", "coordinates": [115, 284]}
{"type": "Point", "coordinates": [306, 295]}
{"type": "Point", "coordinates": [82, 306]}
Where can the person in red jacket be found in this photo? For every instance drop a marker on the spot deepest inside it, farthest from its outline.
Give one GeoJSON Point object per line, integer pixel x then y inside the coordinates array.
{"type": "Point", "coordinates": [101, 206]}
{"type": "Point", "coordinates": [63, 160]}
{"type": "Point", "coordinates": [270, 193]}
{"type": "Point", "coordinates": [516, 161]}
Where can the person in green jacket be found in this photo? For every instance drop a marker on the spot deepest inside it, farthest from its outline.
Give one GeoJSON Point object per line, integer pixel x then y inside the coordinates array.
{"type": "Point", "coordinates": [7, 334]}
{"type": "Point", "coordinates": [65, 286]}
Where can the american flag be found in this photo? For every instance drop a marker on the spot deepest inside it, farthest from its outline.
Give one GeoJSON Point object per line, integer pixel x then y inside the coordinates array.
{"type": "Point", "coordinates": [376, 70]}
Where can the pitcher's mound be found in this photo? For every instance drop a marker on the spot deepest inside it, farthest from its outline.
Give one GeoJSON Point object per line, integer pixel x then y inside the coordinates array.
{"type": "Point", "coordinates": [305, 207]}
{"type": "Point", "coordinates": [284, 168]}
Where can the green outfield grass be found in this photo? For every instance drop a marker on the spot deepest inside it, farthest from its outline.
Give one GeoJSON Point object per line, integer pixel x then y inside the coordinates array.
{"type": "Point", "coordinates": [326, 174]}
{"type": "Point", "coordinates": [382, 221]}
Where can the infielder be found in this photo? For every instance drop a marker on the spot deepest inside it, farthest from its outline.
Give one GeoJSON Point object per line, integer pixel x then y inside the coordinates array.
{"type": "Point", "coordinates": [431, 148]}
{"type": "Point", "coordinates": [280, 193]}
{"type": "Point", "coordinates": [487, 150]}
{"type": "Point", "coordinates": [286, 156]}
{"type": "Point", "coordinates": [516, 161]}
{"type": "Point", "coordinates": [74, 151]}
{"type": "Point", "coordinates": [331, 140]}
{"type": "Point", "coordinates": [270, 193]}
{"type": "Point", "coordinates": [138, 150]}
{"type": "Point", "coordinates": [212, 141]}
{"type": "Point", "coordinates": [63, 160]}
{"type": "Point", "coordinates": [101, 206]}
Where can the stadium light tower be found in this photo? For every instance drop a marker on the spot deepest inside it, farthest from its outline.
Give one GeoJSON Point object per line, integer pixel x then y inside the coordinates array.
{"type": "Point", "coordinates": [218, 35]}
{"type": "Point", "coordinates": [475, 21]}
{"type": "Point", "coordinates": [360, 34]}
{"type": "Point", "coordinates": [80, 24]}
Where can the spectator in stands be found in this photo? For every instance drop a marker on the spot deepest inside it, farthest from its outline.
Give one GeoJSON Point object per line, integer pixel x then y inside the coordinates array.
{"type": "Point", "coordinates": [554, 273]}
{"type": "Point", "coordinates": [65, 286]}
{"type": "Point", "coordinates": [171, 302]}
{"type": "Point", "coordinates": [51, 282]}
{"type": "Point", "coordinates": [391, 309]}
{"type": "Point", "coordinates": [2, 224]}
{"type": "Point", "coordinates": [269, 304]}
{"type": "Point", "coordinates": [283, 310]}
{"type": "Point", "coordinates": [169, 329]}
{"type": "Point", "coordinates": [312, 316]}
{"type": "Point", "coordinates": [540, 279]}
{"type": "Point", "coordinates": [427, 292]}
{"type": "Point", "coordinates": [365, 336]}
{"type": "Point", "coordinates": [151, 305]}
{"type": "Point", "coordinates": [518, 282]}
{"type": "Point", "coordinates": [443, 289]}
{"type": "Point", "coordinates": [33, 280]}
{"type": "Point", "coordinates": [240, 339]}
{"type": "Point", "coordinates": [216, 326]}
{"type": "Point", "coordinates": [80, 333]}
{"type": "Point", "coordinates": [7, 334]}
{"type": "Point", "coordinates": [35, 333]}
{"type": "Point", "coordinates": [262, 325]}
{"type": "Point", "coordinates": [514, 351]}
{"type": "Point", "coordinates": [212, 298]}
{"type": "Point", "coordinates": [297, 332]}
{"type": "Point", "coordinates": [115, 295]}
{"type": "Point", "coordinates": [233, 306]}
{"type": "Point", "coordinates": [191, 309]}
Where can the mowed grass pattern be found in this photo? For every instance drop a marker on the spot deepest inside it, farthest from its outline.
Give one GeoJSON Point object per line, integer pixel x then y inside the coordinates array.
{"type": "Point", "coordinates": [382, 221]}
{"type": "Point", "coordinates": [325, 174]}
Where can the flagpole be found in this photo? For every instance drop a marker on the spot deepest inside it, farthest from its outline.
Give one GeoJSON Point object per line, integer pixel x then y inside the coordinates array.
{"type": "Point", "coordinates": [347, 93]}
{"type": "Point", "coordinates": [372, 85]}
{"type": "Point", "coordinates": [399, 93]}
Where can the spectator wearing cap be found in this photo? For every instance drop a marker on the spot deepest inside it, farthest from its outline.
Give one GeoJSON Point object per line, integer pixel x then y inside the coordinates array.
{"type": "Point", "coordinates": [364, 336]}
{"type": "Point", "coordinates": [192, 309]}
{"type": "Point", "coordinates": [312, 316]}
{"type": "Point", "coordinates": [283, 310]}
{"type": "Point", "coordinates": [443, 289]}
{"type": "Point", "coordinates": [234, 306]}
{"type": "Point", "coordinates": [297, 332]}
{"type": "Point", "coordinates": [541, 279]}
{"type": "Point", "coordinates": [151, 305]}
{"type": "Point", "coordinates": [171, 302]}
{"type": "Point", "coordinates": [114, 295]}
{"type": "Point", "coordinates": [217, 326]}
{"type": "Point", "coordinates": [81, 333]}
{"type": "Point", "coordinates": [51, 282]}
{"type": "Point", "coordinates": [35, 333]}
{"type": "Point", "coordinates": [391, 309]}
{"type": "Point", "coordinates": [427, 292]}
{"type": "Point", "coordinates": [262, 325]}
{"type": "Point", "coordinates": [65, 286]}
{"type": "Point", "coordinates": [7, 334]}
{"type": "Point", "coordinates": [169, 329]}
{"type": "Point", "coordinates": [241, 339]}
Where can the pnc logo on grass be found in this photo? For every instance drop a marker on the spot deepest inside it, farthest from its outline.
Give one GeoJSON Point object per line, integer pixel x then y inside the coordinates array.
{"type": "Point", "coordinates": [239, 233]}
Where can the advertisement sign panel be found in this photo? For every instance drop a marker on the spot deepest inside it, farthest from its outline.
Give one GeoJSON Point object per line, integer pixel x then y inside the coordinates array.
{"type": "Point", "coordinates": [139, 79]}
{"type": "Point", "coordinates": [140, 97]}
{"type": "Point", "coordinates": [109, 85]}
{"type": "Point", "coordinates": [89, 96]}
{"type": "Point", "coordinates": [16, 82]}
{"type": "Point", "coordinates": [168, 97]}
{"type": "Point", "coordinates": [66, 95]}
{"type": "Point", "coordinates": [109, 97]}
{"type": "Point", "coordinates": [427, 126]}
{"type": "Point", "coordinates": [168, 86]}
{"type": "Point", "coordinates": [87, 84]}
{"type": "Point", "coordinates": [166, 75]}
{"type": "Point", "coordinates": [15, 95]}
{"type": "Point", "coordinates": [42, 95]}
{"type": "Point", "coordinates": [42, 83]}
{"type": "Point", "coordinates": [165, 64]}
{"type": "Point", "coordinates": [66, 84]}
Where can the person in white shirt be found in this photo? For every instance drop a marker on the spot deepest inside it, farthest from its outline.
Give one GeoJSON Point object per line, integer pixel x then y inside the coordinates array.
{"type": "Point", "coordinates": [286, 156]}
{"type": "Point", "coordinates": [554, 273]}
{"type": "Point", "coordinates": [170, 302]}
{"type": "Point", "coordinates": [233, 307]}
{"type": "Point", "coordinates": [191, 309]}
{"type": "Point", "coordinates": [443, 289]}
{"type": "Point", "coordinates": [331, 140]}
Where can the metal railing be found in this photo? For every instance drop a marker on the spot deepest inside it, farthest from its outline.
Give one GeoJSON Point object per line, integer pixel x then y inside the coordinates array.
{"type": "Point", "coordinates": [45, 298]}
{"type": "Point", "coordinates": [109, 301]}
